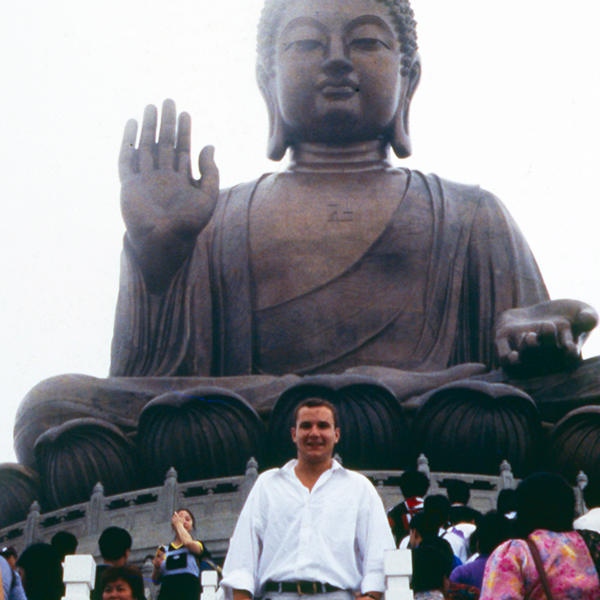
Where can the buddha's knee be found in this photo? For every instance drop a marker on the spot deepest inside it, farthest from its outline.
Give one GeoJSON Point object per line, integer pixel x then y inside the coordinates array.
{"type": "Point", "coordinates": [203, 433]}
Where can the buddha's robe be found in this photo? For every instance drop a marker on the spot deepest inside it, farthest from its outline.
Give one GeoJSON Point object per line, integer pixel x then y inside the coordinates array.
{"type": "Point", "coordinates": [424, 296]}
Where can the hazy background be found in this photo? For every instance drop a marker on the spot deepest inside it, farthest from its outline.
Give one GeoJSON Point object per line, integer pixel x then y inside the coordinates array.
{"type": "Point", "coordinates": [509, 99]}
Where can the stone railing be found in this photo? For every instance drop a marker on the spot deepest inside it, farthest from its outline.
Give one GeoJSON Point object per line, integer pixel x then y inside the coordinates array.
{"type": "Point", "coordinates": [216, 504]}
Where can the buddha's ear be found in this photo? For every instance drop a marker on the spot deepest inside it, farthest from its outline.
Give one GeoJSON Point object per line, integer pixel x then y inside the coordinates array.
{"type": "Point", "coordinates": [400, 138]}
{"type": "Point", "coordinates": [276, 145]}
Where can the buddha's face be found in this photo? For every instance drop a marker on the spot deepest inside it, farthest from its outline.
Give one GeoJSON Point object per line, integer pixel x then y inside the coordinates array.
{"type": "Point", "coordinates": [337, 70]}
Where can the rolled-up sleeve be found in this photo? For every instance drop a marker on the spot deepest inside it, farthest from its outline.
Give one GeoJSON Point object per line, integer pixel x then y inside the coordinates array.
{"type": "Point", "coordinates": [241, 563]}
{"type": "Point", "coordinates": [374, 537]}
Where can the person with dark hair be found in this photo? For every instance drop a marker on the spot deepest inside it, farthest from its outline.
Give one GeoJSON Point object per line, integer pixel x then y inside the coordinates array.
{"type": "Point", "coordinates": [431, 567]}
{"type": "Point", "coordinates": [492, 530]}
{"type": "Point", "coordinates": [507, 503]}
{"type": "Point", "coordinates": [10, 554]}
{"type": "Point", "coordinates": [591, 519]}
{"type": "Point", "coordinates": [310, 528]}
{"type": "Point", "coordinates": [549, 550]}
{"type": "Point", "coordinates": [64, 542]}
{"type": "Point", "coordinates": [177, 565]}
{"type": "Point", "coordinates": [115, 545]}
{"type": "Point", "coordinates": [438, 506]}
{"type": "Point", "coordinates": [41, 572]}
{"type": "Point", "coordinates": [459, 494]}
{"type": "Point", "coordinates": [122, 583]}
{"type": "Point", "coordinates": [414, 485]}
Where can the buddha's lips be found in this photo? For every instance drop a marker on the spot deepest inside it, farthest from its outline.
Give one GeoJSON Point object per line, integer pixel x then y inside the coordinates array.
{"type": "Point", "coordinates": [344, 88]}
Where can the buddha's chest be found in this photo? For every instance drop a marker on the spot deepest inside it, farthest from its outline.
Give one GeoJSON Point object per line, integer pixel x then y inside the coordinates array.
{"type": "Point", "coordinates": [306, 231]}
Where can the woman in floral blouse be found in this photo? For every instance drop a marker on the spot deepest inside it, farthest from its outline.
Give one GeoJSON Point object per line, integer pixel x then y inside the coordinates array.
{"type": "Point", "coordinates": [545, 513]}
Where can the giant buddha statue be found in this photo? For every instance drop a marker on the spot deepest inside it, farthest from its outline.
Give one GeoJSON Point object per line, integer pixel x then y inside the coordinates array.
{"type": "Point", "coordinates": [411, 301]}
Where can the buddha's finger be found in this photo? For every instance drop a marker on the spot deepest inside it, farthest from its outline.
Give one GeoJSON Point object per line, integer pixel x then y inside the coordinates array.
{"type": "Point", "coordinates": [209, 171]}
{"type": "Point", "coordinates": [504, 350]}
{"type": "Point", "coordinates": [183, 144]}
{"type": "Point", "coordinates": [585, 320]}
{"type": "Point", "coordinates": [127, 153]}
{"type": "Point", "coordinates": [147, 138]}
{"type": "Point", "coordinates": [548, 334]}
{"type": "Point", "coordinates": [566, 340]}
{"type": "Point", "coordinates": [166, 135]}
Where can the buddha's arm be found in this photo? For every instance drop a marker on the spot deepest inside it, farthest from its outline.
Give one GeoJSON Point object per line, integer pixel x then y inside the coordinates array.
{"type": "Point", "coordinates": [544, 337]}
{"type": "Point", "coordinates": [163, 206]}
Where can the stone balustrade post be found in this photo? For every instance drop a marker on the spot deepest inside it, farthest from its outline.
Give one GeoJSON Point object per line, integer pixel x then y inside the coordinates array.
{"type": "Point", "coordinates": [79, 574]}
{"type": "Point", "coordinates": [582, 481]}
{"type": "Point", "coordinates": [209, 583]}
{"type": "Point", "coordinates": [95, 509]}
{"type": "Point", "coordinates": [249, 478]}
{"type": "Point", "coordinates": [397, 566]}
{"type": "Point", "coordinates": [507, 480]}
{"type": "Point", "coordinates": [167, 499]}
{"type": "Point", "coordinates": [150, 591]}
{"type": "Point", "coordinates": [423, 467]}
{"type": "Point", "coordinates": [31, 524]}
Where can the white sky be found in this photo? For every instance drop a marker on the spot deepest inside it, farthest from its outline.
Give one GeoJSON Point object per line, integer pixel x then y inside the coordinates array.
{"type": "Point", "coordinates": [509, 99]}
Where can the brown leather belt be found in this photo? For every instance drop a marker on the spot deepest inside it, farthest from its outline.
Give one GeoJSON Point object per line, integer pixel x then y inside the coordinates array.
{"type": "Point", "coordinates": [300, 587]}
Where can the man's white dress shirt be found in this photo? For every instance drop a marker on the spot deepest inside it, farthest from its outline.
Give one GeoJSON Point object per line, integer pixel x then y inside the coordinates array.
{"type": "Point", "coordinates": [336, 533]}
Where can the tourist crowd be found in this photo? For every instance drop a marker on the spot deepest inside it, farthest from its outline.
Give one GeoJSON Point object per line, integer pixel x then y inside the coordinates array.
{"type": "Point", "coordinates": [314, 528]}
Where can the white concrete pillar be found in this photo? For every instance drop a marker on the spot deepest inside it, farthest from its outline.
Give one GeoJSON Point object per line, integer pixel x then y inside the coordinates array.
{"type": "Point", "coordinates": [209, 582]}
{"type": "Point", "coordinates": [397, 566]}
{"type": "Point", "coordinates": [79, 574]}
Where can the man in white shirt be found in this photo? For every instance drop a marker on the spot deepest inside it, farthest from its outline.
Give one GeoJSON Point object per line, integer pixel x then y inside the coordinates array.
{"type": "Point", "coordinates": [310, 527]}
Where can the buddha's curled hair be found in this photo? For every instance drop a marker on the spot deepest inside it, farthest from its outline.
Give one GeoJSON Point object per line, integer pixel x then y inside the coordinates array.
{"type": "Point", "coordinates": [400, 11]}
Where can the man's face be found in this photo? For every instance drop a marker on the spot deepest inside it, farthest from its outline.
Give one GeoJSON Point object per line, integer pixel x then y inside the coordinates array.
{"type": "Point", "coordinates": [337, 70]}
{"type": "Point", "coordinates": [315, 434]}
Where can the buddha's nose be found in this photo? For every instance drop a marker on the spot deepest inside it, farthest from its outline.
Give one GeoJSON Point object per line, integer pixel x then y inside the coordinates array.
{"type": "Point", "coordinates": [336, 60]}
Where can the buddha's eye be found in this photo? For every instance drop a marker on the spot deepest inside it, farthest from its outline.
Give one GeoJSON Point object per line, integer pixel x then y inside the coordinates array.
{"type": "Point", "coordinates": [367, 44]}
{"type": "Point", "coordinates": [305, 45]}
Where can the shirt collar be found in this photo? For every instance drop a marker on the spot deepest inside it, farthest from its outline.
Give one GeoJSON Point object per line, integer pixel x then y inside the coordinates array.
{"type": "Point", "coordinates": [291, 464]}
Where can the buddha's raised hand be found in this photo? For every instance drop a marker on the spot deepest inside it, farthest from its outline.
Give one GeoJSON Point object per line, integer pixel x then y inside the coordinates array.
{"type": "Point", "coordinates": [163, 206]}
{"type": "Point", "coordinates": [544, 337]}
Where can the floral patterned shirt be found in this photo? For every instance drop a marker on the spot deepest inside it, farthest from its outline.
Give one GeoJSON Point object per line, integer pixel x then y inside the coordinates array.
{"type": "Point", "coordinates": [511, 574]}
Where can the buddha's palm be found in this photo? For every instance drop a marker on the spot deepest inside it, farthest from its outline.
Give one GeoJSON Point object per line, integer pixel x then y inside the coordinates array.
{"type": "Point", "coordinates": [163, 206]}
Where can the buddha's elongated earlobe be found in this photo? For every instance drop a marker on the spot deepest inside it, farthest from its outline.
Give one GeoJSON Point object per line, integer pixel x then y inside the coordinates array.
{"type": "Point", "coordinates": [400, 136]}
{"type": "Point", "coordinates": [276, 145]}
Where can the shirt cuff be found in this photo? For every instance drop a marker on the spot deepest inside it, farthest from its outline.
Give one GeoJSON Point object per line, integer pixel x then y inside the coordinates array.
{"type": "Point", "coordinates": [373, 582]}
{"type": "Point", "coordinates": [237, 580]}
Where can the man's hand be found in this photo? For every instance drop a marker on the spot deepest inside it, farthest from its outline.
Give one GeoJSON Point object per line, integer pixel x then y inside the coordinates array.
{"type": "Point", "coordinates": [242, 595]}
{"type": "Point", "coordinates": [368, 596]}
{"type": "Point", "coordinates": [544, 337]}
{"type": "Point", "coordinates": [163, 206]}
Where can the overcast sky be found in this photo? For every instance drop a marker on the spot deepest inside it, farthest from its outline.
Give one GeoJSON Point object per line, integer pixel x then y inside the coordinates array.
{"type": "Point", "coordinates": [509, 99]}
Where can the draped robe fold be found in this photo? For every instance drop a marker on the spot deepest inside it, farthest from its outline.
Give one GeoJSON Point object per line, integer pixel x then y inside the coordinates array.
{"type": "Point", "coordinates": [424, 296]}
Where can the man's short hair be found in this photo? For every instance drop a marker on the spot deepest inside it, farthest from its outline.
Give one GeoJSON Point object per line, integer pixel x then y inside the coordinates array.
{"type": "Point", "coordinates": [458, 491]}
{"type": "Point", "coordinates": [315, 403]}
{"type": "Point", "coordinates": [114, 543]}
{"type": "Point", "coordinates": [493, 529]}
{"type": "Point", "coordinates": [64, 543]}
{"type": "Point", "coordinates": [426, 526]}
{"type": "Point", "coordinates": [438, 508]}
{"type": "Point", "coordinates": [413, 483]}
{"type": "Point", "coordinates": [431, 564]}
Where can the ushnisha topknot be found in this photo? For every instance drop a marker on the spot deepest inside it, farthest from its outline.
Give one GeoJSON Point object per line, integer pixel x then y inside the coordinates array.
{"type": "Point", "coordinates": [400, 11]}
